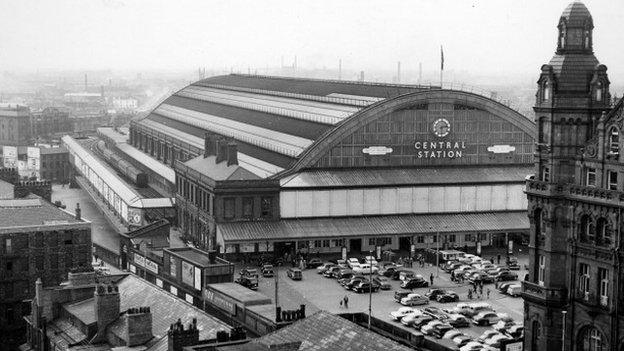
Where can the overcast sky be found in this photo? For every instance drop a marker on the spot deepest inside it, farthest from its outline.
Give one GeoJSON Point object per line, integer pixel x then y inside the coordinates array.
{"type": "Point", "coordinates": [479, 36]}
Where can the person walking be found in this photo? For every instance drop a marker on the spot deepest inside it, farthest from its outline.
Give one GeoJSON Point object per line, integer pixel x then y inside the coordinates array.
{"type": "Point", "coordinates": [488, 293]}
{"type": "Point", "coordinates": [453, 276]}
{"type": "Point", "coordinates": [431, 279]}
{"type": "Point", "coordinates": [346, 301]}
{"type": "Point", "coordinates": [480, 289]}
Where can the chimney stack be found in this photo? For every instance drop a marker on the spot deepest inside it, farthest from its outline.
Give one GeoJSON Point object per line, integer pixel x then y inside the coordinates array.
{"type": "Point", "coordinates": [221, 151]}
{"type": "Point", "coordinates": [107, 308]}
{"type": "Point", "coordinates": [209, 145]}
{"type": "Point", "coordinates": [78, 211]}
{"type": "Point", "coordinates": [232, 153]}
{"type": "Point", "coordinates": [178, 337]}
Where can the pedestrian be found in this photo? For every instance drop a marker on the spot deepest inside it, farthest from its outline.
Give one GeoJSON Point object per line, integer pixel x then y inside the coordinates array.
{"type": "Point", "coordinates": [481, 289]}
{"type": "Point", "coordinates": [431, 279]}
{"type": "Point", "coordinates": [452, 276]}
{"type": "Point", "coordinates": [488, 293]}
{"type": "Point", "coordinates": [498, 259]}
{"type": "Point", "coordinates": [496, 284]}
{"type": "Point", "coordinates": [469, 294]}
{"type": "Point", "coordinates": [341, 300]}
{"type": "Point", "coordinates": [346, 301]}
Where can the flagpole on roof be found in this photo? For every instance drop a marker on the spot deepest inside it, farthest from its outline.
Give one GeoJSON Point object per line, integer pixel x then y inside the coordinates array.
{"type": "Point", "coordinates": [441, 65]}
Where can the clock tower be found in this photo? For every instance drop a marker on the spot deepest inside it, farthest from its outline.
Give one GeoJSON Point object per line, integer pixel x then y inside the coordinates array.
{"type": "Point", "coordinates": [572, 95]}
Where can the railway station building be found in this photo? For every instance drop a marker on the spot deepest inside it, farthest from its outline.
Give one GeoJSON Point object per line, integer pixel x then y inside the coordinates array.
{"type": "Point", "coordinates": [275, 164]}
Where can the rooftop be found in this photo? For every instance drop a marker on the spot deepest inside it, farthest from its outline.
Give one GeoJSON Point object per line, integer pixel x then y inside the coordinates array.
{"type": "Point", "coordinates": [323, 331]}
{"type": "Point", "coordinates": [241, 294]}
{"type": "Point", "coordinates": [32, 211]}
{"type": "Point", "coordinates": [219, 171]}
{"type": "Point", "coordinates": [191, 254]}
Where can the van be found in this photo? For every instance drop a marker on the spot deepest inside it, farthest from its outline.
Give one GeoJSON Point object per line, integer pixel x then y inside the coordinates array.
{"type": "Point", "coordinates": [450, 255]}
{"type": "Point", "coordinates": [514, 290]}
{"type": "Point", "coordinates": [294, 273]}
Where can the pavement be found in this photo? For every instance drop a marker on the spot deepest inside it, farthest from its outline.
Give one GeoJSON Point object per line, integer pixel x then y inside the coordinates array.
{"type": "Point", "coordinates": [318, 292]}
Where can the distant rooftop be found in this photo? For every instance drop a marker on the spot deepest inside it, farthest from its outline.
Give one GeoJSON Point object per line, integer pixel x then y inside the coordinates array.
{"type": "Point", "coordinates": [32, 211]}
{"type": "Point", "coordinates": [219, 171]}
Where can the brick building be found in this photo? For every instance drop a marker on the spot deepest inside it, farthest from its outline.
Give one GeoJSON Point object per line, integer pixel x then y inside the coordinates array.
{"type": "Point", "coordinates": [51, 121]}
{"type": "Point", "coordinates": [14, 124]}
{"type": "Point", "coordinates": [574, 290]}
{"type": "Point", "coordinates": [37, 240]}
{"type": "Point", "coordinates": [55, 164]}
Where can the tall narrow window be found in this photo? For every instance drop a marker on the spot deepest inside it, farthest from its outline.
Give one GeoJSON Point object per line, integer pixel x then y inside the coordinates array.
{"type": "Point", "coordinates": [8, 246]}
{"type": "Point", "coordinates": [603, 232]}
{"type": "Point", "coordinates": [266, 208]}
{"type": "Point", "coordinates": [584, 280]}
{"type": "Point", "coordinates": [612, 180]}
{"type": "Point", "coordinates": [603, 275]}
{"type": "Point", "coordinates": [545, 174]}
{"type": "Point", "coordinates": [228, 208]}
{"type": "Point", "coordinates": [542, 270]}
{"type": "Point", "coordinates": [614, 141]}
{"type": "Point", "coordinates": [598, 92]}
{"type": "Point", "coordinates": [248, 207]}
{"type": "Point", "coordinates": [590, 176]}
{"type": "Point", "coordinates": [546, 95]}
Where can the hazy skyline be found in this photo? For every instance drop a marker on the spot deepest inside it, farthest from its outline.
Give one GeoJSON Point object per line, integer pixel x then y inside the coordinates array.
{"type": "Point", "coordinates": [491, 37]}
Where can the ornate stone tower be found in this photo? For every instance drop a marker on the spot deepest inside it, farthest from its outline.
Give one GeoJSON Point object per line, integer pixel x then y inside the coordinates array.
{"type": "Point", "coordinates": [572, 95]}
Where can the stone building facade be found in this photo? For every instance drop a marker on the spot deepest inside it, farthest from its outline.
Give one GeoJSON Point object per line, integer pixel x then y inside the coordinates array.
{"type": "Point", "coordinates": [573, 292]}
{"type": "Point", "coordinates": [14, 124]}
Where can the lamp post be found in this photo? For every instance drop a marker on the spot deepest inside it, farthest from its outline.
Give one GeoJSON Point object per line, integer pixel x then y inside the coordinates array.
{"type": "Point", "coordinates": [370, 291]}
{"type": "Point", "coordinates": [563, 330]}
{"type": "Point", "coordinates": [438, 253]}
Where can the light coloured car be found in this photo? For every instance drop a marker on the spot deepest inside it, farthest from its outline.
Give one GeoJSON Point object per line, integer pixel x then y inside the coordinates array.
{"type": "Point", "coordinates": [496, 339]}
{"type": "Point", "coordinates": [486, 318]}
{"type": "Point", "coordinates": [427, 329]}
{"type": "Point", "coordinates": [487, 335]}
{"type": "Point", "coordinates": [452, 334]}
{"type": "Point", "coordinates": [461, 340]}
{"type": "Point", "coordinates": [401, 312]}
{"type": "Point", "coordinates": [353, 262]}
{"type": "Point", "coordinates": [409, 319]}
{"type": "Point", "coordinates": [502, 325]}
{"type": "Point", "coordinates": [324, 267]}
{"type": "Point", "coordinates": [515, 331]}
{"type": "Point", "coordinates": [458, 321]}
{"type": "Point", "coordinates": [366, 268]}
{"type": "Point", "coordinates": [414, 299]}
{"type": "Point", "coordinates": [472, 346]}
{"type": "Point", "coordinates": [371, 260]}
{"type": "Point", "coordinates": [514, 290]}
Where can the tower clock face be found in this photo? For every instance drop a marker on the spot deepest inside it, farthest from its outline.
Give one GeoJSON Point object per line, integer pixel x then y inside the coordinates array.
{"type": "Point", "coordinates": [441, 127]}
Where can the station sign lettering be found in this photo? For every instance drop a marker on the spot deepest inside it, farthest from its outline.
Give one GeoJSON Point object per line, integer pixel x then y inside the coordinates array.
{"type": "Point", "coordinates": [440, 149]}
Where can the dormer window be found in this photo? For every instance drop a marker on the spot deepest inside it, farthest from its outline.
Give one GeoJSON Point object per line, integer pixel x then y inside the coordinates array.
{"type": "Point", "coordinates": [586, 39]}
{"type": "Point", "coordinates": [546, 91]}
{"type": "Point", "coordinates": [599, 92]}
{"type": "Point", "coordinates": [614, 141]}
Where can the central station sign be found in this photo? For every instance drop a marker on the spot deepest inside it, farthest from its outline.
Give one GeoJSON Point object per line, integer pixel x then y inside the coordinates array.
{"type": "Point", "coordinates": [440, 149]}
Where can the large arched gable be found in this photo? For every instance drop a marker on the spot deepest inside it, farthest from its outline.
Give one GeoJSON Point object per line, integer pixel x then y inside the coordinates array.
{"type": "Point", "coordinates": [457, 107]}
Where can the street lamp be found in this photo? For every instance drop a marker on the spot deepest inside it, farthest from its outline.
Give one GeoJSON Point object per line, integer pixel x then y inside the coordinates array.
{"type": "Point", "coordinates": [438, 249]}
{"type": "Point", "coordinates": [370, 290]}
{"type": "Point", "coordinates": [563, 331]}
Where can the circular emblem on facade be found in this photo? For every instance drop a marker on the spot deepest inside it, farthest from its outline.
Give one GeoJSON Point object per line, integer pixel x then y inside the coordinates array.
{"type": "Point", "coordinates": [441, 127]}
{"type": "Point", "coordinates": [137, 218]}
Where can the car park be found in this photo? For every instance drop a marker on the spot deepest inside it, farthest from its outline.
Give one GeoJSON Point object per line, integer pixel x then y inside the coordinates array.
{"type": "Point", "coordinates": [314, 262]}
{"type": "Point", "coordinates": [439, 330]}
{"type": "Point", "coordinates": [470, 310]}
{"type": "Point", "coordinates": [323, 267]}
{"type": "Point", "coordinates": [506, 276]}
{"type": "Point", "coordinates": [485, 318]}
{"type": "Point", "coordinates": [383, 282]}
{"type": "Point", "coordinates": [332, 272]}
{"type": "Point", "coordinates": [495, 340]}
{"type": "Point", "coordinates": [416, 282]}
{"type": "Point", "coordinates": [487, 334]}
{"type": "Point", "coordinates": [501, 325]}
{"type": "Point", "coordinates": [353, 282]}
{"type": "Point", "coordinates": [458, 321]}
{"type": "Point", "coordinates": [370, 260]}
{"type": "Point", "coordinates": [365, 286]}
{"type": "Point", "coordinates": [294, 273]}
{"type": "Point", "coordinates": [353, 262]}
{"type": "Point", "coordinates": [342, 264]}
{"type": "Point", "coordinates": [514, 290]}
{"type": "Point", "coordinates": [401, 312]}
{"type": "Point", "coordinates": [388, 271]}
{"type": "Point", "coordinates": [267, 270]}
{"type": "Point", "coordinates": [448, 296]}
{"type": "Point", "coordinates": [345, 274]}
{"type": "Point", "coordinates": [414, 299]}
{"type": "Point", "coordinates": [410, 318]}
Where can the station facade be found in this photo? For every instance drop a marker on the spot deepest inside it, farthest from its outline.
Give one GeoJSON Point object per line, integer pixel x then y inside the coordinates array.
{"type": "Point", "coordinates": [274, 164]}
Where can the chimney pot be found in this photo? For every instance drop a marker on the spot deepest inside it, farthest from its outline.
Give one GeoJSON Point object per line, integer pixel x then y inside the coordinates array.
{"type": "Point", "coordinates": [232, 157]}
{"type": "Point", "coordinates": [78, 211]}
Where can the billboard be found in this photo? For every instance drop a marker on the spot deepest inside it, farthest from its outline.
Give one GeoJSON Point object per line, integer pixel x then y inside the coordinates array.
{"type": "Point", "coordinates": [33, 161]}
{"type": "Point", "coordinates": [198, 278]}
{"type": "Point", "coordinates": [9, 156]}
{"type": "Point", "coordinates": [188, 273]}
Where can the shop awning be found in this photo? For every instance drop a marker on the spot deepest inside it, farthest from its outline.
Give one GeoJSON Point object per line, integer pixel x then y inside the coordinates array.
{"type": "Point", "coordinates": [299, 229]}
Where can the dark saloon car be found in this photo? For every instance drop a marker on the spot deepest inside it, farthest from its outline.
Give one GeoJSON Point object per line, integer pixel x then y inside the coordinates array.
{"type": "Point", "coordinates": [314, 262]}
{"type": "Point", "coordinates": [440, 329]}
{"type": "Point", "coordinates": [433, 294]}
{"type": "Point", "coordinates": [506, 276]}
{"type": "Point", "coordinates": [365, 286]}
{"type": "Point", "coordinates": [354, 281]}
{"type": "Point", "coordinates": [414, 283]}
{"type": "Point", "coordinates": [398, 295]}
{"type": "Point", "coordinates": [448, 296]}
{"type": "Point", "coordinates": [383, 282]}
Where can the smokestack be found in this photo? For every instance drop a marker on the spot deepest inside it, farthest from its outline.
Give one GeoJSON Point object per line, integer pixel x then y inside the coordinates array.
{"type": "Point", "coordinates": [361, 76]}
{"type": "Point", "coordinates": [339, 69]}
{"type": "Point", "coordinates": [399, 72]}
{"type": "Point", "coordinates": [78, 211]}
{"type": "Point", "coordinates": [232, 154]}
{"type": "Point", "coordinates": [419, 72]}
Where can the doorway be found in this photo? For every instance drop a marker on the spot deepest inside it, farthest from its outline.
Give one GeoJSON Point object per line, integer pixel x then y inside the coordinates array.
{"type": "Point", "coordinates": [355, 245]}
{"type": "Point", "coordinates": [405, 243]}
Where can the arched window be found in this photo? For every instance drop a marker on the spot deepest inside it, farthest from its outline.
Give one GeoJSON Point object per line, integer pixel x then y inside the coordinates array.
{"type": "Point", "coordinates": [585, 228]}
{"type": "Point", "coordinates": [591, 339]}
{"type": "Point", "coordinates": [536, 335]}
{"type": "Point", "coordinates": [603, 232]}
{"type": "Point", "coordinates": [599, 92]}
{"type": "Point", "coordinates": [586, 39]}
{"type": "Point", "coordinates": [614, 141]}
{"type": "Point", "coordinates": [546, 91]}
{"type": "Point", "coordinates": [540, 225]}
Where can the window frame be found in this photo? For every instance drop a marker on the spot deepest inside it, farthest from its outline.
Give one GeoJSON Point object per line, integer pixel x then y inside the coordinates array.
{"type": "Point", "coordinates": [590, 174]}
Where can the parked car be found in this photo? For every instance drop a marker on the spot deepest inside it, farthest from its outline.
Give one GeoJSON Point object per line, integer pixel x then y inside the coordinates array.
{"type": "Point", "coordinates": [451, 266]}
{"type": "Point", "coordinates": [421, 320]}
{"type": "Point", "coordinates": [515, 331]}
{"type": "Point", "coordinates": [383, 282]}
{"type": "Point", "coordinates": [345, 273]}
{"type": "Point", "coordinates": [481, 276]}
{"type": "Point", "coordinates": [314, 262]}
{"type": "Point", "coordinates": [365, 286]}
{"type": "Point", "coordinates": [399, 295]}
{"type": "Point", "coordinates": [485, 318]}
{"type": "Point", "coordinates": [435, 312]}
{"type": "Point", "coordinates": [267, 270]}
{"type": "Point", "coordinates": [416, 282]}
{"type": "Point", "coordinates": [387, 264]}
{"type": "Point", "coordinates": [414, 299]}
{"type": "Point", "coordinates": [514, 290]}
{"type": "Point", "coordinates": [294, 273]}
{"type": "Point", "coordinates": [512, 263]}
{"type": "Point", "coordinates": [249, 272]}
{"type": "Point", "coordinates": [451, 334]}
{"type": "Point", "coordinates": [487, 334]}
{"type": "Point", "coordinates": [353, 282]}
{"type": "Point", "coordinates": [501, 325]}
{"type": "Point", "coordinates": [458, 321]}
{"type": "Point", "coordinates": [433, 294]}
{"type": "Point", "coordinates": [323, 267]}
{"type": "Point", "coordinates": [462, 340]}
{"type": "Point", "coordinates": [449, 296]}
{"type": "Point", "coordinates": [506, 276]}
{"type": "Point", "coordinates": [503, 287]}
{"type": "Point", "coordinates": [342, 264]}
{"type": "Point", "coordinates": [370, 260]}
{"type": "Point", "coordinates": [403, 274]}
{"type": "Point", "coordinates": [248, 281]}
{"type": "Point", "coordinates": [472, 346]}
{"type": "Point", "coordinates": [353, 262]}
{"type": "Point", "coordinates": [439, 330]}
{"type": "Point", "coordinates": [427, 329]}
{"type": "Point", "coordinates": [401, 312]}
{"type": "Point", "coordinates": [332, 272]}
{"type": "Point", "coordinates": [410, 318]}
{"type": "Point", "coordinates": [388, 271]}
{"type": "Point", "coordinates": [495, 340]}
{"type": "Point", "coordinates": [470, 310]}
{"type": "Point", "coordinates": [366, 268]}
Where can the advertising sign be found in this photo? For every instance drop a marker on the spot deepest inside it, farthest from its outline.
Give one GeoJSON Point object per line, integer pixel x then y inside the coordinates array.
{"type": "Point", "coordinates": [198, 278]}
{"type": "Point", "coordinates": [139, 260]}
{"type": "Point", "coordinates": [33, 161]}
{"type": "Point", "coordinates": [151, 266]}
{"type": "Point", "coordinates": [510, 247]}
{"type": "Point", "coordinates": [172, 266]}
{"type": "Point", "coordinates": [378, 252]}
{"type": "Point", "coordinates": [514, 346]}
{"type": "Point", "coordinates": [219, 301]}
{"type": "Point", "coordinates": [344, 253]}
{"type": "Point", "coordinates": [9, 155]}
{"type": "Point", "coordinates": [188, 274]}
{"type": "Point", "coordinates": [478, 248]}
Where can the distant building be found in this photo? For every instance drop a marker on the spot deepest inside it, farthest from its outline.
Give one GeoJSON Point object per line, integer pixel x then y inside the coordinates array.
{"type": "Point", "coordinates": [37, 241]}
{"type": "Point", "coordinates": [104, 312]}
{"type": "Point", "coordinates": [14, 124]}
{"type": "Point", "coordinates": [55, 164]}
{"type": "Point", "coordinates": [51, 121]}
{"type": "Point", "coordinates": [125, 104]}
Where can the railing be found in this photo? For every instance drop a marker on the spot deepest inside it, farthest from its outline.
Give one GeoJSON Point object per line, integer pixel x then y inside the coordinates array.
{"type": "Point", "coordinates": [483, 92]}
{"type": "Point", "coordinates": [586, 192]}
{"type": "Point", "coordinates": [552, 295]}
